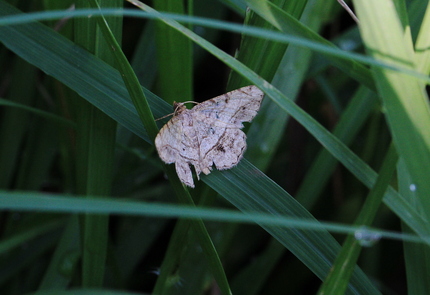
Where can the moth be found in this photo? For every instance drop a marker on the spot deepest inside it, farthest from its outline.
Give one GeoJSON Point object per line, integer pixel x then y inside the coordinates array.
{"type": "Point", "coordinates": [209, 133]}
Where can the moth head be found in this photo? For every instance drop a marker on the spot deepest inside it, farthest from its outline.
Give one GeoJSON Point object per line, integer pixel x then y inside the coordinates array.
{"type": "Point", "coordinates": [178, 107]}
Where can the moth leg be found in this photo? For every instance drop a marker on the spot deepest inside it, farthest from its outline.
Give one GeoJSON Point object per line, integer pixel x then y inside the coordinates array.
{"type": "Point", "coordinates": [184, 173]}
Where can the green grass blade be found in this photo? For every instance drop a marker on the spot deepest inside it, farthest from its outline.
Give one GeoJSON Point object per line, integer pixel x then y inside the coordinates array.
{"type": "Point", "coordinates": [422, 45]}
{"type": "Point", "coordinates": [352, 119]}
{"type": "Point", "coordinates": [174, 56]}
{"type": "Point", "coordinates": [43, 202]}
{"type": "Point", "coordinates": [337, 281]}
{"type": "Point", "coordinates": [96, 144]}
{"type": "Point", "coordinates": [130, 80]}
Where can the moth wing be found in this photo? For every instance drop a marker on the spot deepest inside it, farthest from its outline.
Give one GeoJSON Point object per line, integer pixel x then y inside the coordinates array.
{"type": "Point", "coordinates": [231, 109]}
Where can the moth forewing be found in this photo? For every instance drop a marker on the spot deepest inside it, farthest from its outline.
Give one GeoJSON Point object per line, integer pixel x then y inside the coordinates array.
{"type": "Point", "coordinates": [209, 133]}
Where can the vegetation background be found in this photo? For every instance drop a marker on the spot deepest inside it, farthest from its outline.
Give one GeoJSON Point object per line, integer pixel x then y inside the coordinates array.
{"type": "Point", "coordinates": [331, 197]}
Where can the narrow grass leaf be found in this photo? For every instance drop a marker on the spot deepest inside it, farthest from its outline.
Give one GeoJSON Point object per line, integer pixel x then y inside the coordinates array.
{"type": "Point", "coordinates": [44, 202]}
{"type": "Point", "coordinates": [96, 144]}
{"type": "Point", "coordinates": [174, 56]}
{"type": "Point", "coordinates": [339, 276]}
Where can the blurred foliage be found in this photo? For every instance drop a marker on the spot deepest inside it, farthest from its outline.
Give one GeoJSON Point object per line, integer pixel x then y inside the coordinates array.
{"type": "Point", "coordinates": [74, 122]}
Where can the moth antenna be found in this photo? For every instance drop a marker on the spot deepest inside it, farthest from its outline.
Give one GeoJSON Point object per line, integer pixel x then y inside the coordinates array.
{"type": "Point", "coordinates": [165, 116]}
{"type": "Point", "coordinates": [177, 105]}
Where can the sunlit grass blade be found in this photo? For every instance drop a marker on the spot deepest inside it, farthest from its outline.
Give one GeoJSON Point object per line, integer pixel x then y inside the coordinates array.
{"type": "Point", "coordinates": [404, 98]}
{"type": "Point", "coordinates": [422, 44]}
{"type": "Point", "coordinates": [407, 111]}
